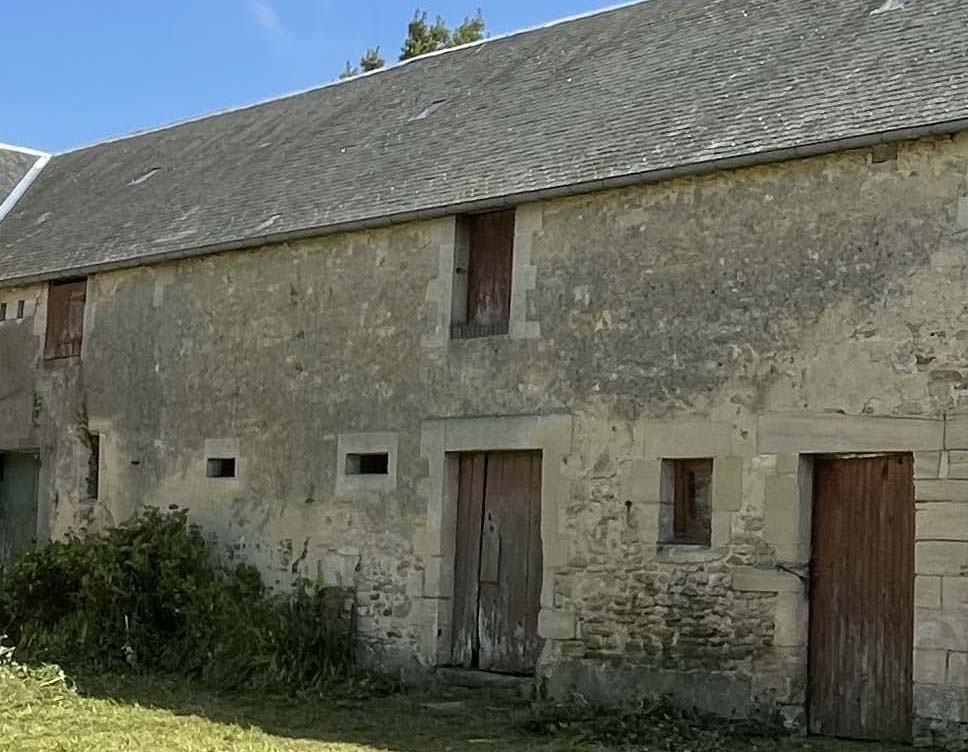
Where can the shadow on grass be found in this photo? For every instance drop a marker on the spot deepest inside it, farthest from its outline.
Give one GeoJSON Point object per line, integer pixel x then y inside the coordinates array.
{"type": "Point", "coordinates": [401, 722]}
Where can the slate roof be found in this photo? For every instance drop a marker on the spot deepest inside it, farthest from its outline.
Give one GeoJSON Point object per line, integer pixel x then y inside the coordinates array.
{"type": "Point", "coordinates": [621, 94]}
{"type": "Point", "coordinates": [14, 165]}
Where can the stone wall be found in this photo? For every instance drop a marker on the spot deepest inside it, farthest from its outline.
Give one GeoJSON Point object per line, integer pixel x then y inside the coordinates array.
{"type": "Point", "coordinates": [941, 590]}
{"type": "Point", "coordinates": [757, 317]}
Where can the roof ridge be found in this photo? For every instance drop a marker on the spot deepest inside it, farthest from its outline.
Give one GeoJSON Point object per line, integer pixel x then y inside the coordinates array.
{"type": "Point", "coordinates": [23, 150]}
{"type": "Point", "coordinates": [366, 74]}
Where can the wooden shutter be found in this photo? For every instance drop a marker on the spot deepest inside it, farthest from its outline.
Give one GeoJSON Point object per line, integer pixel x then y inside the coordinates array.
{"type": "Point", "coordinates": [65, 319]}
{"type": "Point", "coordinates": [692, 511]}
{"type": "Point", "coordinates": [489, 273]}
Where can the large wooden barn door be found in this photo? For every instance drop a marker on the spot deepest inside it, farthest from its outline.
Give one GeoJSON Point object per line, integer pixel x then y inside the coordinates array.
{"type": "Point", "coordinates": [497, 578]}
{"type": "Point", "coordinates": [862, 598]}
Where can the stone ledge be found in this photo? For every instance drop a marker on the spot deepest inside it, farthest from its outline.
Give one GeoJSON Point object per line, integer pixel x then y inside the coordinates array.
{"type": "Point", "coordinates": [753, 580]}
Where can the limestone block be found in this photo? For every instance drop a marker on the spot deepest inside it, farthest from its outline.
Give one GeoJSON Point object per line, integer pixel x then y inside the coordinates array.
{"type": "Point", "coordinates": [790, 620]}
{"type": "Point", "coordinates": [958, 464]}
{"type": "Point", "coordinates": [643, 481]}
{"type": "Point", "coordinates": [784, 522]}
{"type": "Point", "coordinates": [722, 529]}
{"type": "Point", "coordinates": [752, 580]}
{"type": "Point", "coordinates": [941, 490]}
{"type": "Point", "coordinates": [954, 594]}
{"type": "Point", "coordinates": [941, 522]}
{"type": "Point", "coordinates": [555, 624]}
{"type": "Point", "coordinates": [789, 433]}
{"type": "Point", "coordinates": [941, 557]}
{"type": "Point", "coordinates": [956, 432]}
{"type": "Point", "coordinates": [415, 583]}
{"type": "Point", "coordinates": [787, 464]}
{"type": "Point", "coordinates": [940, 702]}
{"type": "Point", "coordinates": [958, 669]}
{"type": "Point", "coordinates": [927, 591]}
{"type": "Point", "coordinates": [929, 666]}
{"type": "Point", "coordinates": [437, 579]}
{"type": "Point", "coordinates": [728, 484]}
{"type": "Point", "coordinates": [687, 439]}
{"type": "Point", "coordinates": [927, 465]}
{"type": "Point", "coordinates": [940, 630]}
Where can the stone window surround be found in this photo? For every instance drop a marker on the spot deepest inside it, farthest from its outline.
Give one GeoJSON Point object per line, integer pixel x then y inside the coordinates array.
{"type": "Point", "coordinates": [940, 489]}
{"type": "Point", "coordinates": [528, 221]}
{"type": "Point", "coordinates": [227, 449]}
{"type": "Point", "coordinates": [366, 443]}
{"type": "Point", "coordinates": [649, 484]}
{"type": "Point", "coordinates": [441, 440]}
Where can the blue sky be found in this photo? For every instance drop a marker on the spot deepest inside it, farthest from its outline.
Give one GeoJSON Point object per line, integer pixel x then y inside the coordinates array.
{"type": "Point", "coordinates": [78, 71]}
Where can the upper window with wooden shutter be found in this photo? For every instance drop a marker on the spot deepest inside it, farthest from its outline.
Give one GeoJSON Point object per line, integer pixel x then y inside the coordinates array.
{"type": "Point", "coordinates": [483, 292]}
{"type": "Point", "coordinates": [65, 319]}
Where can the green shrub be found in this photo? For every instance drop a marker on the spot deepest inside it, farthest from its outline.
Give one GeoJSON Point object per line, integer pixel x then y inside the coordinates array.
{"type": "Point", "coordinates": [145, 597]}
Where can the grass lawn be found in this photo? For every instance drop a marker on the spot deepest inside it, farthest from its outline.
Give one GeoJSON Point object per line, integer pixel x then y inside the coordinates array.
{"type": "Point", "coordinates": [140, 715]}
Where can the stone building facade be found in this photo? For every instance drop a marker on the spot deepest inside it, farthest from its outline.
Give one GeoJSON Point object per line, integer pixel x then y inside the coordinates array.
{"type": "Point", "coordinates": [835, 328]}
{"type": "Point", "coordinates": [762, 317]}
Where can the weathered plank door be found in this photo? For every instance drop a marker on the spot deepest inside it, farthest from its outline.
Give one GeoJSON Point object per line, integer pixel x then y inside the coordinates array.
{"type": "Point", "coordinates": [862, 598]}
{"type": "Point", "coordinates": [18, 503]}
{"type": "Point", "coordinates": [497, 579]}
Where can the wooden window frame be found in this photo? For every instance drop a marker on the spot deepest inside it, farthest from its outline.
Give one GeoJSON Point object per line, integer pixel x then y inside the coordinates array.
{"type": "Point", "coordinates": [486, 264]}
{"type": "Point", "coordinates": [66, 303]}
{"type": "Point", "coordinates": [691, 526]}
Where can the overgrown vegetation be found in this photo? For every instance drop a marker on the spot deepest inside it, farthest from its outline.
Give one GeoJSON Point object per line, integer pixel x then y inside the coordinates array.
{"type": "Point", "coordinates": [646, 723]}
{"type": "Point", "coordinates": [145, 597]}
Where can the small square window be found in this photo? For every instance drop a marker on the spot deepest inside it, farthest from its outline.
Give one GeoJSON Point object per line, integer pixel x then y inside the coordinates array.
{"type": "Point", "coordinates": [368, 464]}
{"type": "Point", "coordinates": [692, 502]}
{"type": "Point", "coordinates": [221, 467]}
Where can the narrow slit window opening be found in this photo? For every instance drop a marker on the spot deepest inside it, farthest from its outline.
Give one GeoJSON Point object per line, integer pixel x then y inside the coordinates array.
{"type": "Point", "coordinates": [94, 468]}
{"type": "Point", "coordinates": [220, 467]}
{"type": "Point", "coordinates": [376, 463]}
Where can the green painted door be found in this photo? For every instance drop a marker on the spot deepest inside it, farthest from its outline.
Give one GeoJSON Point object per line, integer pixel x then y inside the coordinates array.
{"type": "Point", "coordinates": [18, 503]}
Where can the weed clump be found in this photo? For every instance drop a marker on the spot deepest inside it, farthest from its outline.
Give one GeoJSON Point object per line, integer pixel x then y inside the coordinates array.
{"type": "Point", "coordinates": [145, 597]}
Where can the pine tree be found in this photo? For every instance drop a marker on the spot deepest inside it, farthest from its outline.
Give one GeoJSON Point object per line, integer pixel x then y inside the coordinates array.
{"type": "Point", "coordinates": [472, 30]}
{"type": "Point", "coordinates": [423, 38]}
{"type": "Point", "coordinates": [372, 60]}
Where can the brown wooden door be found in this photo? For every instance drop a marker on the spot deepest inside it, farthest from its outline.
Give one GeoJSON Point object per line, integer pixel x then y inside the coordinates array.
{"type": "Point", "coordinates": [497, 580]}
{"type": "Point", "coordinates": [862, 598]}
